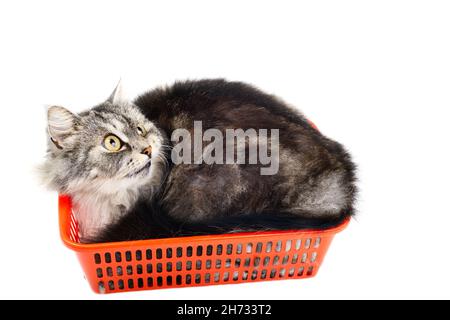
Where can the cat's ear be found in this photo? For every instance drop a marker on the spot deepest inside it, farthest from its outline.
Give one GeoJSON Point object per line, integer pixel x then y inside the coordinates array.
{"type": "Point", "coordinates": [61, 124]}
{"type": "Point", "coordinates": [117, 96]}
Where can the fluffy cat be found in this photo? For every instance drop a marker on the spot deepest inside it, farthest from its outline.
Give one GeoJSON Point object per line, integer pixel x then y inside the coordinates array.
{"type": "Point", "coordinates": [115, 161]}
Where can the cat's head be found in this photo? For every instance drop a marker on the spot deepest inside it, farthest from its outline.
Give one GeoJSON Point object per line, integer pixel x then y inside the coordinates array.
{"type": "Point", "coordinates": [107, 149]}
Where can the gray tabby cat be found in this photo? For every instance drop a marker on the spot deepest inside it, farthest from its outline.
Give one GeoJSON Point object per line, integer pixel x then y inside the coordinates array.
{"type": "Point", "coordinates": [114, 161]}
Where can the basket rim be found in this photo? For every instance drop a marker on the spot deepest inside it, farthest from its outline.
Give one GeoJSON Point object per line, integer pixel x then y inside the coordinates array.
{"type": "Point", "coordinates": [65, 207]}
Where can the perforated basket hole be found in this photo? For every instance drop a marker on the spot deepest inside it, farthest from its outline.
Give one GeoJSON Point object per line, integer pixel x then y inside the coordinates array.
{"type": "Point", "coordinates": [269, 247]}
{"type": "Point", "coordinates": [263, 274]}
{"type": "Point", "coordinates": [282, 273]}
{"type": "Point", "coordinates": [229, 249]}
{"type": "Point", "coordinates": [169, 266]}
{"type": "Point", "coordinates": [291, 272]}
{"type": "Point", "coordinates": [169, 253]}
{"type": "Point", "coordinates": [219, 249]}
{"type": "Point", "coordinates": [108, 257]}
{"type": "Point", "coordinates": [198, 278]}
{"type": "Point", "coordinates": [189, 251]}
{"type": "Point", "coordinates": [138, 255]}
{"type": "Point", "coordinates": [139, 269]}
{"type": "Point", "coordinates": [249, 247]}
{"type": "Point", "coordinates": [256, 261]}
{"type": "Point", "coordinates": [310, 270]}
{"type": "Point", "coordinates": [109, 272]}
{"type": "Point", "coordinates": [140, 283]}
{"type": "Point", "coordinates": [118, 256]}
{"type": "Point", "coordinates": [300, 271]}
{"type": "Point", "coordinates": [179, 252]}
{"type": "Point", "coordinates": [227, 263]}
{"type": "Point", "coordinates": [266, 261]}
{"type": "Point", "coordinates": [285, 259]}
{"type": "Point", "coordinates": [178, 280]}
{"type": "Point", "coordinates": [169, 280]}
{"type": "Point", "coordinates": [235, 275]}
{"type": "Point", "coordinates": [226, 276]}
{"type": "Point", "coordinates": [128, 256]}
{"type": "Point", "coordinates": [208, 264]}
{"type": "Point", "coordinates": [209, 250]}
{"type": "Point", "coordinates": [313, 256]}
{"type": "Point", "coordinates": [237, 262]}
{"type": "Point", "coordinates": [275, 260]}
{"type": "Point", "coordinates": [207, 278]}
{"type": "Point", "coordinates": [188, 279]}
{"type": "Point", "coordinates": [130, 284]}
{"type": "Point", "coordinates": [158, 253]}
{"type": "Point", "coordinates": [217, 276]}
{"type": "Point", "coordinates": [159, 281]}
{"type": "Point", "coordinates": [149, 282]}
{"type": "Point", "coordinates": [245, 275]}
{"type": "Point", "coordinates": [307, 243]}
{"type": "Point", "coordinates": [295, 258]}
{"type": "Point", "coordinates": [304, 257]}
{"type": "Point", "coordinates": [259, 247]}
{"type": "Point", "coordinates": [239, 249]}
{"type": "Point", "coordinates": [129, 270]}
{"type": "Point", "coordinates": [317, 242]}
{"type": "Point", "coordinates": [254, 274]}
{"type": "Point", "coordinates": [99, 273]}
{"type": "Point", "coordinates": [247, 262]}
{"type": "Point", "coordinates": [218, 263]}
{"type": "Point", "coordinates": [149, 268]}
{"type": "Point", "coordinates": [288, 245]}
{"type": "Point", "coordinates": [179, 265]}
{"type": "Point", "coordinates": [111, 285]}
{"type": "Point", "coordinates": [119, 271]}
{"type": "Point", "coordinates": [120, 284]}
{"type": "Point", "coordinates": [159, 267]}
{"type": "Point", "coordinates": [279, 246]}
{"type": "Point", "coordinates": [188, 265]}
{"type": "Point", "coordinates": [101, 287]}
{"type": "Point", "coordinates": [199, 251]}
{"type": "Point", "coordinates": [148, 254]}
{"type": "Point", "coordinates": [273, 273]}
{"type": "Point", "coordinates": [298, 244]}
{"type": "Point", "coordinates": [198, 265]}
{"type": "Point", "coordinates": [97, 258]}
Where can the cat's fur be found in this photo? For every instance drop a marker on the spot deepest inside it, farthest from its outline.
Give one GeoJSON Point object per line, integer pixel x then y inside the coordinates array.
{"type": "Point", "coordinates": [315, 185]}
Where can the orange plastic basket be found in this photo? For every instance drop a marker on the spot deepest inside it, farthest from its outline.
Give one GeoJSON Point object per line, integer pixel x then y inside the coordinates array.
{"type": "Point", "coordinates": [196, 261]}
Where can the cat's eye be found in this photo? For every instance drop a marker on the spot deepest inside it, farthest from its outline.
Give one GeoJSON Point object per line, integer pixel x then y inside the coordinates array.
{"type": "Point", "coordinates": [112, 143]}
{"type": "Point", "coordinates": [141, 130]}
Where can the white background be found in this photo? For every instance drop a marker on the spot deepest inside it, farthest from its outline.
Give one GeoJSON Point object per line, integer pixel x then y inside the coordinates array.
{"type": "Point", "coordinates": [374, 75]}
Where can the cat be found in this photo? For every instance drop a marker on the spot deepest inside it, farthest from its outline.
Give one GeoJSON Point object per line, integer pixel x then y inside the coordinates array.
{"type": "Point", "coordinates": [117, 162]}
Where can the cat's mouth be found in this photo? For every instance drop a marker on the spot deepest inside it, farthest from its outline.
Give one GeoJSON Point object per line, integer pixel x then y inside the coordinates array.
{"type": "Point", "coordinates": [143, 169]}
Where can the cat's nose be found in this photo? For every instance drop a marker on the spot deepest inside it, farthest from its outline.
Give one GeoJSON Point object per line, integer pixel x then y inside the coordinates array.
{"type": "Point", "coordinates": [147, 151]}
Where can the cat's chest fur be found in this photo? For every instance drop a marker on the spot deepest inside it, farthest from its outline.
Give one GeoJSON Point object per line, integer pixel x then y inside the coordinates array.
{"type": "Point", "coordinates": [96, 210]}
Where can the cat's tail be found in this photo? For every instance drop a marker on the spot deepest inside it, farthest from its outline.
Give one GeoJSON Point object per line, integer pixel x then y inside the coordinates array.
{"type": "Point", "coordinates": [261, 222]}
{"type": "Point", "coordinates": [148, 222]}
